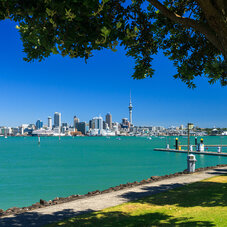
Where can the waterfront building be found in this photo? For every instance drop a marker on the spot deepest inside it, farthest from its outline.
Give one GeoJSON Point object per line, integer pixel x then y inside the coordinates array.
{"type": "Point", "coordinates": [39, 124]}
{"type": "Point", "coordinates": [63, 129]}
{"type": "Point", "coordinates": [105, 125]}
{"type": "Point", "coordinates": [28, 130]}
{"type": "Point", "coordinates": [57, 120]}
{"type": "Point", "coordinates": [90, 124]}
{"type": "Point", "coordinates": [124, 121]}
{"type": "Point", "coordinates": [98, 123]}
{"type": "Point", "coordinates": [15, 131]}
{"type": "Point", "coordinates": [6, 131]}
{"type": "Point", "coordinates": [22, 128]}
{"type": "Point", "coordinates": [32, 126]}
{"type": "Point", "coordinates": [71, 129]}
{"type": "Point", "coordinates": [57, 131]}
{"type": "Point", "coordinates": [109, 120]}
{"type": "Point", "coordinates": [130, 109]}
{"type": "Point", "coordinates": [65, 125]}
{"type": "Point", "coordinates": [50, 122]}
{"type": "Point", "coordinates": [125, 124]}
{"type": "Point", "coordinates": [76, 120]}
{"type": "Point", "coordinates": [82, 127]}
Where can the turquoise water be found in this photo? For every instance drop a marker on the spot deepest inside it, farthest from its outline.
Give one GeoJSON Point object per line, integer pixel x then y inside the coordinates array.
{"type": "Point", "coordinates": [54, 168]}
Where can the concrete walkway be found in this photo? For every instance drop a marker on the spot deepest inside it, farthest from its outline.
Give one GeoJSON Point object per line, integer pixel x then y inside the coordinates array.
{"type": "Point", "coordinates": [58, 212]}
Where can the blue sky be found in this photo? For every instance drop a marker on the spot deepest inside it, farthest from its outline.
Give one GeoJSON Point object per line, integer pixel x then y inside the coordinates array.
{"type": "Point", "coordinates": [31, 91]}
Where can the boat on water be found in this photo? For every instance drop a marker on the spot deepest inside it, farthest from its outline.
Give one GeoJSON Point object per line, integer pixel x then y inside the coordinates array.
{"type": "Point", "coordinates": [118, 138]}
{"type": "Point", "coordinates": [149, 138]}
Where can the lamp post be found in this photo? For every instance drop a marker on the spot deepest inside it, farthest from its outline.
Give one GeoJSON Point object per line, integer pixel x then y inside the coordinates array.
{"type": "Point", "coordinates": [190, 126]}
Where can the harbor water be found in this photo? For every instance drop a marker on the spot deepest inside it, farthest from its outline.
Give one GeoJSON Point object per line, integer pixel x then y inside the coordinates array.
{"type": "Point", "coordinates": [75, 165]}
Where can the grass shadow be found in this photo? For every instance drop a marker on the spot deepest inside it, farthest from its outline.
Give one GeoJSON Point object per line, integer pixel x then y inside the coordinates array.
{"type": "Point", "coordinates": [120, 219]}
{"type": "Point", "coordinates": [219, 172]}
{"type": "Point", "coordinates": [203, 193]}
{"type": "Point", "coordinates": [35, 219]}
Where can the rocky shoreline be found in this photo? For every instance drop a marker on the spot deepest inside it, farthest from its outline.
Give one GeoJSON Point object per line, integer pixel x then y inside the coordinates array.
{"type": "Point", "coordinates": [59, 200]}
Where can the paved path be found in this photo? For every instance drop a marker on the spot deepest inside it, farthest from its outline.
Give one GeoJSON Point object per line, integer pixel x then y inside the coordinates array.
{"type": "Point", "coordinates": [50, 214]}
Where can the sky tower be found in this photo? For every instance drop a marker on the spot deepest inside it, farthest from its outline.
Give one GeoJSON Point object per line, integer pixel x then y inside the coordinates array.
{"type": "Point", "coordinates": [130, 109]}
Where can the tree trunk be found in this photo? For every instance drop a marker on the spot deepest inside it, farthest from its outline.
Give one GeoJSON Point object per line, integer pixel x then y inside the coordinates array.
{"type": "Point", "coordinates": [215, 30]}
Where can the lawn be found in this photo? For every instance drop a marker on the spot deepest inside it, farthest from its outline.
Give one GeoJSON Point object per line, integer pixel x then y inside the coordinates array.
{"type": "Point", "coordinates": [199, 204]}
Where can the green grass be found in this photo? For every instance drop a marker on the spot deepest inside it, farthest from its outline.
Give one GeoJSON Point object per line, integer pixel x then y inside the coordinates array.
{"type": "Point", "coordinates": [200, 204]}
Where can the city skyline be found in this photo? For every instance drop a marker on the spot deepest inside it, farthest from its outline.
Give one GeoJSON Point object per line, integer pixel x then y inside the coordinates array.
{"type": "Point", "coordinates": [31, 91]}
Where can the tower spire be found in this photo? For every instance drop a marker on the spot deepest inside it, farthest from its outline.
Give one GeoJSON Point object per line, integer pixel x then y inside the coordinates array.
{"type": "Point", "coordinates": [130, 102]}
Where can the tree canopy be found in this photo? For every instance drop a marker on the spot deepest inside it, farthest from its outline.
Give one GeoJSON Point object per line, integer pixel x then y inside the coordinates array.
{"type": "Point", "coordinates": [193, 34]}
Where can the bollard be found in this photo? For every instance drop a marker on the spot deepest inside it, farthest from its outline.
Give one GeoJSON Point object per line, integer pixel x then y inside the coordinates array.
{"type": "Point", "coordinates": [196, 141]}
{"type": "Point", "coordinates": [38, 140]}
{"type": "Point", "coordinates": [191, 163]}
{"type": "Point", "coordinates": [191, 148]}
{"type": "Point", "coordinates": [176, 144]}
{"type": "Point", "coordinates": [201, 147]}
{"type": "Point", "coordinates": [167, 146]}
{"type": "Point", "coordinates": [219, 149]}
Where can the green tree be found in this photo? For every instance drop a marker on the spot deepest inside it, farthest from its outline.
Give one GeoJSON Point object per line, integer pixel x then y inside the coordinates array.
{"type": "Point", "coordinates": [193, 34]}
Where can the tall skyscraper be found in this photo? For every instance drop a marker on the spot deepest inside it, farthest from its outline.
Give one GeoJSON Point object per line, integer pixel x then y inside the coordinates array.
{"type": "Point", "coordinates": [50, 122]}
{"type": "Point", "coordinates": [130, 109]}
{"type": "Point", "coordinates": [109, 120]}
{"type": "Point", "coordinates": [39, 124]}
{"type": "Point", "coordinates": [76, 120]}
{"type": "Point", "coordinates": [57, 120]}
{"type": "Point", "coordinates": [97, 122]}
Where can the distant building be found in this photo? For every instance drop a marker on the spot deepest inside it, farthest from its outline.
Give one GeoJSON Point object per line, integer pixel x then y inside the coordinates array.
{"type": "Point", "coordinates": [124, 121]}
{"type": "Point", "coordinates": [82, 127]}
{"type": "Point", "coordinates": [97, 123]}
{"type": "Point", "coordinates": [50, 122]}
{"type": "Point", "coordinates": [109, 120]}
{"type": "Point", "coordinates": [5, 131]}
{"type": "Point", "coordinates": [214, 132]}
{"type": "Point", "coordinates": [76, 120]}
{"type": "Point", "coordinates": [39, 124]}
{"type": "Point", "coordinates": [15, 131]}
{"type": "Point", "coordinates": [57, 120]}
{"type": "Point", "coordinates": [65, 125]}
{"type": "Point", "coordinates": [90, 124]}
{"type": "Point", "coordinates": [31, 126]}
{"type": "Point", "coordinates": [63, 129]}
{"type": "Point", "coordinates": [22, 128]}
{"type": "Point", "coordinates": [105, 125]}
